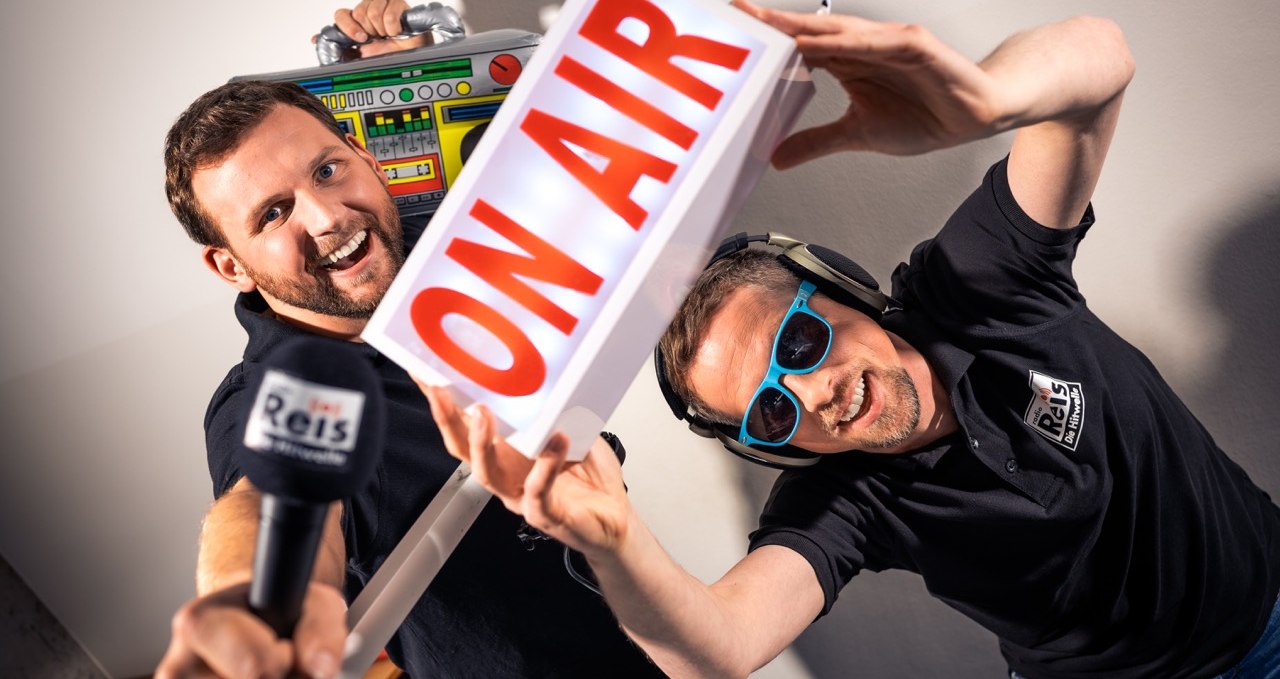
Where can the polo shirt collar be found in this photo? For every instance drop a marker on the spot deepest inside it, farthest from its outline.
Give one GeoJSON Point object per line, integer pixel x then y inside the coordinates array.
{"type": "Point", "coordinates": [266, 331]}
{"type": "Point", "coordinates": [947, 360]}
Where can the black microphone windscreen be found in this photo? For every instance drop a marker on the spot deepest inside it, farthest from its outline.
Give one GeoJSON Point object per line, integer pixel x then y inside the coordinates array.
{"type": "Point", "coordinates": [316, 428]}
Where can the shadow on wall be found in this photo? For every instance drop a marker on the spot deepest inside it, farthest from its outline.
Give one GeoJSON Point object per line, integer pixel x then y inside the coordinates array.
{"type": "Point", "coordinates": [1238, 398]}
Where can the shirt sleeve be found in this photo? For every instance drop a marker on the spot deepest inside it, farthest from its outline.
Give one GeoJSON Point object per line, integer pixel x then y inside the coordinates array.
{"type": "Point", "coordinates": [224, 428]}
{"type": "Point", "coordinates": [809, 514]}
{"type": "Point", "coordinates": [992, 269]}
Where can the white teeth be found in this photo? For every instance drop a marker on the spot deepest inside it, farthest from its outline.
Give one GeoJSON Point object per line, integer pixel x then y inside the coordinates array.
{"type": "Point", "coordinates": [345, 250]}
{"type": "Point", "coordinates": [859, 394]}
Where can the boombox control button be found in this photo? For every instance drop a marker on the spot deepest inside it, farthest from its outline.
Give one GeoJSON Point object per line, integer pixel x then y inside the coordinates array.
{"type": "Point", "coordinates": [444, 89]}
{"type": "Point", "coordinates": [387, 97]}
{"type": "Point", "coordinates": [425, 92]}
{"type": "Point", "coordinates": [504, 69]}
{"type": "Point", "coordinates": [406, 95]}
{"type": "Point", "coordinates": [463, 88]}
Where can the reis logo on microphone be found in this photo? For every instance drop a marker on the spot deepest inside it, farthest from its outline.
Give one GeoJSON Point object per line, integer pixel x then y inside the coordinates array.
{"type": "Point", "coordinates": [310, 422]}
{"type": "Point", "coordinates": [1056, 411]}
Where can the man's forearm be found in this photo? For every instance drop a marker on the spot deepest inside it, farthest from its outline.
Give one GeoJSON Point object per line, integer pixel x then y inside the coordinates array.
{"type": "Point", "coordinates": [1062, 85]}
{"type": "Point", "coordinates": [229, 534]}
{"type": "Point", "coordinates": [670, 614]}
{"type": "Point", "coordinates": [690, 629]}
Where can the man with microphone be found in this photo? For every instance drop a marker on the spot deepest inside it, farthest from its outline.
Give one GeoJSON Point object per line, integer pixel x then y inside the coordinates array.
{"type": "Point", "coordinates": [296, 216]}
{"type": "Point", "coordinates": [991, 435]}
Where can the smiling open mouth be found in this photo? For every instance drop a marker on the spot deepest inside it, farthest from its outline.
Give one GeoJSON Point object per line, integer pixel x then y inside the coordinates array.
{"type": "Point", "coordinates": [855, 405]}
{"type": "Point", "coordinates": [346, 256]}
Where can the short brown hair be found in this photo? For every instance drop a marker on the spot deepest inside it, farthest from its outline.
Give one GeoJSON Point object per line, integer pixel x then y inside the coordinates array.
{"type": "Point", "coordinates": [210, 129]}
{"type": "Point", "coordinates": [679, 345]}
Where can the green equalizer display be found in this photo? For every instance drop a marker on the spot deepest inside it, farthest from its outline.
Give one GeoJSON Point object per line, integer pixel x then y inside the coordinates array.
{"type": "Point", "coordinates": [401, 121]}
{"type": "Point", "coordinates": [399, 75]}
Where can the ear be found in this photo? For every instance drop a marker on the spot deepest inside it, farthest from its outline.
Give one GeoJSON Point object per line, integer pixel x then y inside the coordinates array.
{"type": "Point", "coordinates": [367, 158]}
{"type": "Point", "coordinates": [222, 263]}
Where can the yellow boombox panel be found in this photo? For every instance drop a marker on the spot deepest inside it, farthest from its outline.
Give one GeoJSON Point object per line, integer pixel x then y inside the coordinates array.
{"type": "Point", "coordinates": [420, 112]}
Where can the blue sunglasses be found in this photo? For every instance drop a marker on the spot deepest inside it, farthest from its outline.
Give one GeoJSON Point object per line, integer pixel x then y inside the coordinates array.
{"type": "Point", "coordinates": [801, 345]}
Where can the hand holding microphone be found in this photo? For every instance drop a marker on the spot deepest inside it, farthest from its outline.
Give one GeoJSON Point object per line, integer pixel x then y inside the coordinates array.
{"type": "Point", "coordinates": [313, 437]}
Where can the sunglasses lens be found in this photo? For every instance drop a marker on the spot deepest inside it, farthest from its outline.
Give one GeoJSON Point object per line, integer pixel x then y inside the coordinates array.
{"type": "Point", "coordinates": [802, 342]}
{"type": "Point", "coordinates": [772, 416]}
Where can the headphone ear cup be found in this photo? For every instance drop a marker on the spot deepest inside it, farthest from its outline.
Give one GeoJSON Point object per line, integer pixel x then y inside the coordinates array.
{"type": "Point", "coordinates": [844, 266]}
{"type": "Point", "coordinates": [837, 277]}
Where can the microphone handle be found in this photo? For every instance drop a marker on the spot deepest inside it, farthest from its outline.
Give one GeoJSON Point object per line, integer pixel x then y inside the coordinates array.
{"type": "Point", "coordinates": [289, 534]}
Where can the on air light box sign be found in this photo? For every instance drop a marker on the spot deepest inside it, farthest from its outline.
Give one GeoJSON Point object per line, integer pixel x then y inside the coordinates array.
{"type": "Point", "coordinates": [554, 264]}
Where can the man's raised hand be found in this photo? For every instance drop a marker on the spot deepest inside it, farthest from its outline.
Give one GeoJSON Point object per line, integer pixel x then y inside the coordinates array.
{"type": "Point", "coordinates": [582, 504]}
{"type": "Point", "coordinates": [909, 93]}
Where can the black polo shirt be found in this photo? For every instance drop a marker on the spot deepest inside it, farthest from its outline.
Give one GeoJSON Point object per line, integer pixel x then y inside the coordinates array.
{"type": "Point", "coordinates": [501, 606]}
{"type": "Point", "coordinates": [1082, 513]}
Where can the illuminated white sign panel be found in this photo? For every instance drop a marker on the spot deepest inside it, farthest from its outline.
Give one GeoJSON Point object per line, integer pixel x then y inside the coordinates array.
{"type": "Point", "coordinates": [554, 264]}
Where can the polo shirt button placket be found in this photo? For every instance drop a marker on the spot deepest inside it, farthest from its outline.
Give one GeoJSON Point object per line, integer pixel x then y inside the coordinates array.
{"type": "Point", "coordinates": [1011, 466]}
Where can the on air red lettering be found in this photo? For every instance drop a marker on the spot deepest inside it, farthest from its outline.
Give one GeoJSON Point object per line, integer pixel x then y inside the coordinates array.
{"type": "Point", "coordinates": [626, 164]}
{"type": "Point", "coordinates": [654, 56]}
{"type": "Point", "coordinates": [500, 268]}
{"type": "Point", "coordinates": [528, 370]}
{"type": "Point", "coordinates": [625, 102]}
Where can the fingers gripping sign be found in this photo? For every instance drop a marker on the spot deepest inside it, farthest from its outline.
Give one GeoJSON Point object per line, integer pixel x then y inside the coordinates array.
{"type": "Point", "coordinates": [469, 436]}
{"type": "Point", "coordinates": [581, 504]}
{"type": "Point", "coordinates": [909, 93]}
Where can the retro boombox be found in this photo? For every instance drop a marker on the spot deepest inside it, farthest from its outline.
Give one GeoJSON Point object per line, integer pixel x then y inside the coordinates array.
{"type": "Point", "coordinates": [419, 112]}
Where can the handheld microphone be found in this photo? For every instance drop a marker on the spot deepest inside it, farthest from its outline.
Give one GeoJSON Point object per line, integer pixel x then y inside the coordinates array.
{"type": "Point", "coordinates": [313, 436]}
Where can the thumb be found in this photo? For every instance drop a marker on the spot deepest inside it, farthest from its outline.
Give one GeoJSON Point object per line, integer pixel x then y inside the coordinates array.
{"type": "Point", "coordinates": [815, 142]}
{"type": "Point", "coordinates": [321, 632]}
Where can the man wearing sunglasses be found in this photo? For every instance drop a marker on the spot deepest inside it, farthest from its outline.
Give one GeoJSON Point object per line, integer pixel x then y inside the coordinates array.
{"type": "Point", "coordinates": [992, 435]}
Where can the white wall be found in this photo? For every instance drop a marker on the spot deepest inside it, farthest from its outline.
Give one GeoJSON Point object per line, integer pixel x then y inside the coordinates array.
{"type": "Point", "coordinates": [114, 336]}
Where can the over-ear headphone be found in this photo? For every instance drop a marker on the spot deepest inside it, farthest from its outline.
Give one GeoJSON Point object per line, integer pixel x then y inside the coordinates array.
{"type": "Point", "coordinates": [835, 276]}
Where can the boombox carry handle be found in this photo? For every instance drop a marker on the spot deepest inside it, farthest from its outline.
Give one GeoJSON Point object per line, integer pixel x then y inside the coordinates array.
{"type": "Point", "coordinates": [334, 47]}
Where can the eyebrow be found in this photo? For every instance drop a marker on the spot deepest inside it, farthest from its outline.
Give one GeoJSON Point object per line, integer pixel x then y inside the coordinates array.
{"type": "Point", "coordinates": [316, 161]}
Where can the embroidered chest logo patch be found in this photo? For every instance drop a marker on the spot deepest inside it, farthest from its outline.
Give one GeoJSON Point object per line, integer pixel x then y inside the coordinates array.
{"type": "Point", "coordinates": [1056, 411]}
